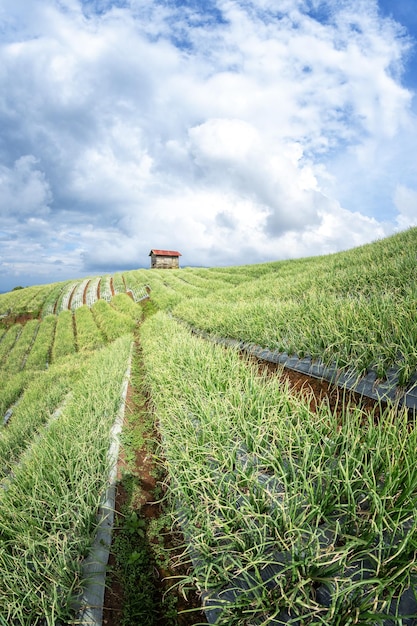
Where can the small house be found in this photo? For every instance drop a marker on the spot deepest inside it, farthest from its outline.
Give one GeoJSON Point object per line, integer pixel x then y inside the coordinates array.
{"type": "Point", "coordinates": [165, 259]}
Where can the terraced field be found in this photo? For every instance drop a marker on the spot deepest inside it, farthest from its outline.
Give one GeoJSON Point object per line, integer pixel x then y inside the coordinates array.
{"type": "Point", "coordinates": [292, 509]}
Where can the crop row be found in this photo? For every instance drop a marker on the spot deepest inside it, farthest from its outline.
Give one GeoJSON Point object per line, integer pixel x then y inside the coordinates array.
{"type": "Point", "coordinates": [58, 297]}
{"type": "Point", "coordinates": [53, 452]}
{"type": "Point", "coordinates": [118, 284]}
{"type": "Point", "coordinates": [29, 299]}
{"type": "Point", "coordinates": [353, 309]}
{"type": "Point", "coordinates": [54, 463]}
{"type": "Point", "coordinates": [92, 291]}
{"type": "Point", "coordinates": [291, 516]}
{"type": "Point", "coordinates": [37, 343]}
{"type": "Point", "coordinates": [41, 397]}
{"type": "Point", "coordinates": [77, 296]}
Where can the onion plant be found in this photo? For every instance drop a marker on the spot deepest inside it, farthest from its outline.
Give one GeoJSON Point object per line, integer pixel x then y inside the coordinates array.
{"type": "Point", "coordinates": [50, 304]}
{"type": "Point", "coordinates": [77, 298]}
{"type": "Point", "coordinates": [11, 389]}
{"type": "Point", "coordinates": [8, 341]}
{"type": "Point", "coordinates": [105, 290]}
{"type": "Point", "coordinates": [38, 402]}
{"type": "Point", "coordinates": [29, 299]}
{"type": "Point", "coordinates": [39, 355]}
{"type": "Point", "coordinates": [118, 283]}
{"type": "Point", "coordinates": [91, 295]}
{"type": "Point", "coordinates": [111, 322]}
{"type": "Point", "coordinates": [88, 335]}
{"type": "Point", "coordinates": [290, 515]}
{"type": "Point", "coordinates": [16, 358]}
{"type": "Point", "coordinates": [65, 297]}
{"type": "Point", "coordinates": [64, 340]}
{"type": "Point", "coordinates": [354, 309]}
{"type": "Point", "coordinates": [48, 513]}
{"type": "Point", "coordinates": [123, 303]}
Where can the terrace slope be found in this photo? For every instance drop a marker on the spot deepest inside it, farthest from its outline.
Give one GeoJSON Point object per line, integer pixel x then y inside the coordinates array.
{"type": "Point", "coordinates": [293, 515]}
{"type": "Point", "coordinates": [354, 310]}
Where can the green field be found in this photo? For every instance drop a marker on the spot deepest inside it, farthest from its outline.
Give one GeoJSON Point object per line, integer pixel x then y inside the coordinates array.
{"type": "Point", "coordinates": [291, 515]}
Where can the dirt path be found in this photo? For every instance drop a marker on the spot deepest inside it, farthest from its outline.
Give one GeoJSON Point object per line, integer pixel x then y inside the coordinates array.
{"type": "Point", "coordinates": [135, 597]}
{"type": "Point", "coordinates": [85, 292]}
{"type": "Point", "coordinates": [71, 297]}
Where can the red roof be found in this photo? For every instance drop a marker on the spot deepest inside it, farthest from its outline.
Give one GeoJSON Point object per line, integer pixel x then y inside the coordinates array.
{"type": "Point", "coordinates": [164, 253]}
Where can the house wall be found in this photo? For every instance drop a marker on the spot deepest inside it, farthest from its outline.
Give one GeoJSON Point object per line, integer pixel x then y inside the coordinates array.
{"type": "Point", "coordinates": [164, 262]}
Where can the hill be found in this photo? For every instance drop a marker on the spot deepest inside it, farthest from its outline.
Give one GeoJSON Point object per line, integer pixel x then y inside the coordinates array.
{"type": "Point", "coordinates": [292, 511]}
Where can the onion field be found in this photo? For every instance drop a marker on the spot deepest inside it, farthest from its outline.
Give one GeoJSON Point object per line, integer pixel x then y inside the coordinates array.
{"type": "Point", "coordinates": [61, 381]}
{"type": "Point", "coordinates": [292, 516]}
{"type": "Point", "coordinates": [292, 512]}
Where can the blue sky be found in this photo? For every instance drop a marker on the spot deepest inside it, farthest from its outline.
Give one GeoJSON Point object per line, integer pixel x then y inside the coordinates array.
{"type": "Point", "coordinates": [224, 129]}
{"type": "Point", "coordinates": [405, 13]}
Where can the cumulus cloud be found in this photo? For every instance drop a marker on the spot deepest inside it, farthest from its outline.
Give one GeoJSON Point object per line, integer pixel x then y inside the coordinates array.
{"type": "Point", "coordinates": [234, 132]}
{"type": "Point", "coordinates": [24, 190]}
{"type": "Point", "coordinates": [406, 203]}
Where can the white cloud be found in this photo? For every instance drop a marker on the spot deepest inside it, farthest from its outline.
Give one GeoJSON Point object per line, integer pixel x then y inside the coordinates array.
{"type": "Point", "coordinates": [24, 190]}
{"type": "Point", "coordinates": [405, 200]}
{"type": "Point", "coordinates": [219, 131]}
{"type": "Point", "coordinates": [338, 229]}
{"type": "Point", "coordinates": [224, 140]}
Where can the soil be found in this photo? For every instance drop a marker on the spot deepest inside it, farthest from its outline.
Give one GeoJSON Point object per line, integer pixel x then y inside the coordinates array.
{"type": "Point", "coordinates": [22, 318]}
{"type": "Point", "coordinates": [149, 507]}
{"type": "Point", "coordinates": [71, 297]}
{"type": "Point", "coordinates": [85, 292]}
{"type": "Point", "coordinates": [317, 390]}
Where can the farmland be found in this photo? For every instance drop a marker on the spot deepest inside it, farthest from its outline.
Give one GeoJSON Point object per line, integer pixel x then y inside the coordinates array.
{"type": "Point", "coordinates": [292, 511]}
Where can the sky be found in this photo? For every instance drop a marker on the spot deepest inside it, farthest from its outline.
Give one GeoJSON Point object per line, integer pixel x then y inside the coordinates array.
{"type": "Point", "coordinates": [233, 131]}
